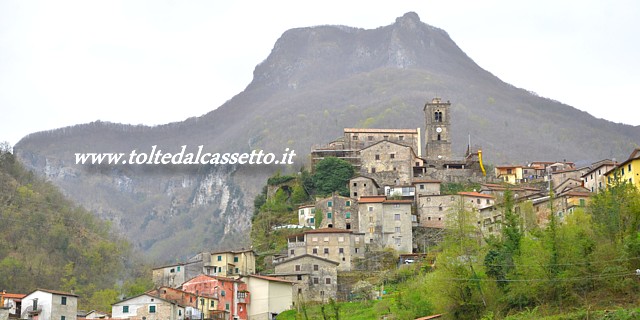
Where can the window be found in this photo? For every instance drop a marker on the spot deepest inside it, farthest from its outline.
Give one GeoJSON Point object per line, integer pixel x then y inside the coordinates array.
{"type": "Point", "coordinates": [582, 202]}
{"type": "Point", "coordinates": [326, 239]}
{"type": "Point", "coordinates": [439, 137]}
{"type": "Point", "coordinates": [370, 138]}
{"type": "Point", "coordinates": [212, 304]}
{"type": "Point", "coordinates": [178, 269]}
{"type": "Point", "coordinates": [315, 250]}
{"type": "Point", "coordinates": [341, 250]}
{"type": "Point", "coordinates": [355, 194]}
{"type": "Point", "coordinates": [422, 187]}
{"type": "Point", "coordinates": [315, 267]}
{"type": "Point", "coordinates": [370, 219]}
{"type": "Point", "coordinates": [348, 203]}
{"type": "Point", "coordinates": [397, 229]}
{"type": "Point", "coordinates": [292, 252]}
{"type": "Point", "coordinates": [370, 208]}
{"type": "Point", "coordinates": [219, 258]}
{"type": "Point", "coordinates": [329, 204]}
{"type": "Point", "coordinates": [315, 281]}
{"type": "Point", "coordinates": [629, 168]}
{"type": "Point", "coordinates": [392, 156]}
{"type": "Point", "coordinates": [396, 217]}
{"type": "Point", "coordinates": [236, 270]}
{"type": "Point", "coordinates": [235, 259]}
{"type": "Point", "coordinates": [377, 157]}
{"type": "Point", "coordinates": [125, 309]}
{"type": "Point", "coordinates": [371, 229]}
{"type": "Point", "coordinates": [327, 281]}
{"type": "Point", "coordinates": [347, 215]}
{"type": "Point", "coordinates": [354, 137]}
{"type": "Point", "coordinates": [395, 205]}
{"type": "Point", "coordinates": [478, 201]}
{"type": "Point", "coordinates": [340, 239]}
{"type": "Point", "coordinates": [171, 271]}
{"type": "Point", "coordinates": [297, 267]}
{"type": "Point", "coordinates": [62, 317]}
{"type": "Point", "coordinates": [299, 277]}
{"type": "Point", "coordinates": [226, 306]}
{"type": "Point", "coordinates": [357, 249]}
{"type": "Point", "coordinates": [373, 170]}
{"type": "Point", "coordinates": [398, 241]}
{"type": "Point", "coordinates": [179, 312]}
{"type": "Point", "coordinates": [63, 301]}
{"type": "Point", "coordinates": [487, 201]}
{"type": "Point", "coordinates": [326, 250]}
{"type": "Point", "coordinates": [348, 226]}
{"type": "Point", "coordinates": [329, 215]}
{"type": "Point", "coordinates": [385, 137]}
{"type": "Point", "coordinates": [312, 220]}
{"type": "Point", "coordinates": [314, 239]}
{"type": "Point", "coordinates": [401, 138]}
{"type": "Point", "coordinates": [440, 208]}
{"type": "Point", "coordinates": [152, 309]}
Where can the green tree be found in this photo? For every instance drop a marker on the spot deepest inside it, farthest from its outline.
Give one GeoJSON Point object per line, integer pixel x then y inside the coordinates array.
{"type": "Point", "coordinates": [332, 175]}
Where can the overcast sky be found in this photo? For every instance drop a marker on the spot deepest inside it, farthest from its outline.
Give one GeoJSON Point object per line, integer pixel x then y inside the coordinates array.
{"type": "Point", "coordinates": [153, 62]}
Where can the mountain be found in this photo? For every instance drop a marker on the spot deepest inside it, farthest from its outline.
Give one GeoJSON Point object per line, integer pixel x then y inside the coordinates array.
{"type": "Point", "coordinates": [315, 82]}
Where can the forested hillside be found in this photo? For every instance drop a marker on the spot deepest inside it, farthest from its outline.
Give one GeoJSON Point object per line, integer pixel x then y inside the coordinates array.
{"type": "Point", "coordinates": [46, 241]}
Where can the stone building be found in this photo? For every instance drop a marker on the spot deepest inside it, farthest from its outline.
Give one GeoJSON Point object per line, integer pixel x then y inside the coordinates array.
{"type": "Point", "coordinates": [595, 179]}
{"type": "Point", "coordinates": [315, 278]}
{"type": "Point", "coordinates": [437, 131]}
{"type": "Point", "coordinates": [306, 216]}
{"type": "Point", "coordinates": [231, 263]}
{"type": "Point", "coordinates": [425, 187]}
{"type": "Point", "coordinates": [339, 245]}
{"type": "Point", "coordinates": [337, 212]}
{"type": "Point", "coordinates": [433, 209]}
{"type": "Point", "coordinates": [388, 163]}
{"type": "Point", "coordinates": [363, 186]}
{"type": "Point", "coordinates": [385, 222]}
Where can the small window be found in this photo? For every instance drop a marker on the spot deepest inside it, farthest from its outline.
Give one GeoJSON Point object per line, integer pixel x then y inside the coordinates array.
{"type": "Point", "coordinates": [440, 208]}
{"type": "Point", "coordinates": [340, 250]}
{"type": "Point", "coordinates": [327, 281]}
{"type": "Point", "coordinates": [348, 226]}
{"type": "Point", "coordinates": [62, 317]}
{"type": "Point", "coordinates": [348, 203]}
{"type": "Point", "coordinates": [178, 269]}
{"type": "Point", "coordinates": [396, 217]}
{"type": "Point", "coordinates": [354, 137]}
{"type": "Point", "coordinates": [299, 277]}
{"type": "Point", "coordinates": [370, 208]}
{"type": "Point", "coordinates": [315, 281]}
{"type": "Point", "coordinates": [385, 137]}
{"type": "Point", "coordinates": [329, 215]}
{"type": "Point", "coordinates": [355, 184]}
{"type": "Point", "coordinates": [478, 201]}
{"type": "Point", "coordinates": [312, 220]}
{"type": "Point", "coordinates": [377, 157]}
{"type": "Point", "coordinates": [63, 301]}
{"type": "Point", "coordinates": [347, 215]}
{"type": "Point", "coordinates": [329, 203]}
{"type": "Point", "coordinates": [125, 309]}
{"type": "Point", "coordinates": [213, 303]}
{"type": "Point", "coordinates": [226, 306]}
{"type": "Point", "coordinates": [297, 267]}
{"type": "Point", "coordinates": [315, 267]}
{"type": "Point", "coordinates": [392, 156]}
{"type": "Point", "coordinates": [422, 187]}
{"type": "Point", "coordinates": [152, 309]}
{"type": "Point", "coordinates": [373, 170]}
{"type": "Point", "coordinates": [314, 239]}
{"type": "Point", "coordinates": [315, 251]}
{"type": "Point", "coordinates": [629, 168]}
{"type": "Point", "coordinates": [171, 271]}
{"type": "Point", "coordinates": [357, 249]}
{"type": "Point", "coordinates": [370, 138]}
{"type": "Point", "coordinates": [219, 258]}
{"type": "Point", "coordinates": [340, 239]}
{"type": "Point", "coordinates": [326, 239]}
{"type": "Point", "coordinates": [401, 138]}
{"type": "Point", "coordinates": [237, 270]}
{"type": "Point", "coordinates": [292, 251]}
{"type": "Point", "coordinates": [235, 259]}
{"type": "Point", "coordinates": [397, 229]}
{"type": "Point", "coordinates": [326, 250]}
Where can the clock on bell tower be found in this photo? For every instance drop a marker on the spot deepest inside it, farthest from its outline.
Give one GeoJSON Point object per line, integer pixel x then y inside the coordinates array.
{"type": "Point", "coordinates": [437, 120]}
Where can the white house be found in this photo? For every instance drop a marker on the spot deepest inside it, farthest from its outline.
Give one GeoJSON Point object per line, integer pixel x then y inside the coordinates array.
{"type": "Point", "coordinates": [148, 307]}
{"type": "Point", "coordinates": [43, 304]}
{"type": "Point", "coordinates": [275, 296]}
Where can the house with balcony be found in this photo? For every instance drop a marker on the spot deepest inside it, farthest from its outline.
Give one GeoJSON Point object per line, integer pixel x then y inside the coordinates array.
{"type": "Point", "coordinates": [231, 294]}
{"type": "Point", "coordinates": [44, 304]}
{"type": "Point", "coordinates": [147, 307]}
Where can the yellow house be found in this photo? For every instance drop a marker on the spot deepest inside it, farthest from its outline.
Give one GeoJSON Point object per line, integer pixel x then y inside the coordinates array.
{"type": "Point", "coordinates": [509, 174]}
{"type": "Point", "coordinates": [628, 171]}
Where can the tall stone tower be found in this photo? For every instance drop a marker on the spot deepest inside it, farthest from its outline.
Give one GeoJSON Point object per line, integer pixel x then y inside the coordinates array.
{"type": "Point", "coordinates": [436, 132]}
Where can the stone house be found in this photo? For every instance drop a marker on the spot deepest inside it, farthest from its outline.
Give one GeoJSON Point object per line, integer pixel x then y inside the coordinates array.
{"type": "Point", "coordinates": [386, 223]}
{"type": "Point", "coordinates": [358, 139]}
{"type": "Point", "coordinates": [426, 187]}
{"type": "Point", "coordinates": [272, 296]}
{"type": "Point", "coordinates": [314, 278]}
{"type": "Point", "coordinates": [433, 209]}
{"type": "Point", "coordinates": [232, 294]}
{"type": "Point", "coordinates": [337, 212]}
{"type": "Point", "coordinates": [147, 307]}
{"type": "Point", "coordinates": [174, 275]}
{"type": "Point", "coordinates": [388, 163]}
{"type": "Point", "coordinates": [560, 176]}
{"type": "Point", "coordinates": [567, 185]}
{"type": "Point", "coordinates": [196, 306]}
{"type": "Point", "coordinates": [306, 216]}
{"type": "Point", "coordinates": [43, 304]}
{"type": "Point", "coordinates": [363, 186]}
{"type": "Point", "coordinates": [595, 179]}
{"type": "Point", "coordinates": [338, 245]}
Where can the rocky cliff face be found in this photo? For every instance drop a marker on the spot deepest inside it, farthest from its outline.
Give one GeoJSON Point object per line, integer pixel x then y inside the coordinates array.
{"type": "Point", "coordinates": [315, 82]}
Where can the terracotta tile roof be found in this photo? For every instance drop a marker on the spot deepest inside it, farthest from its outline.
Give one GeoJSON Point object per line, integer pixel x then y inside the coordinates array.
{"type": "Point", "coordinates": [398, 201]}
{"type": "Point", "coordinates": [372, 199]}
{"type": "Point", "coordinates": [578, 194]}
{"type": "Point", "coordinates": [13, 295]}
{"type": "Point", "coordinates": [305, 256]}
{"type": "Point", "coordinates": [426, 181]}
{"type": "Point", "coordinates": [476, 194]}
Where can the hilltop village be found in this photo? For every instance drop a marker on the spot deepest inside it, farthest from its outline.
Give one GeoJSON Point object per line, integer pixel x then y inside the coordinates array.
{"type": "Point", "coordinates": [396, 208]}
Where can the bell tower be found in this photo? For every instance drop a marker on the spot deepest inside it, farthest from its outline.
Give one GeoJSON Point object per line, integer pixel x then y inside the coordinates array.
{"type": "Point", "coordinates": [436, 132]}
